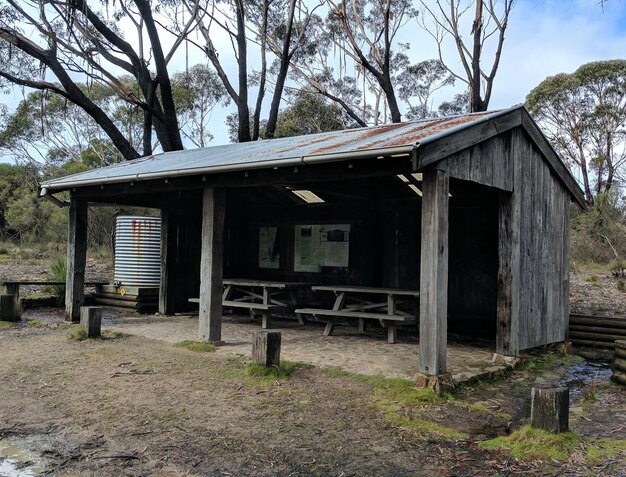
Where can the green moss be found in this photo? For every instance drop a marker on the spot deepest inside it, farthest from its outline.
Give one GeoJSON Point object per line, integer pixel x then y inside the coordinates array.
{"type": "Point", "coordinates": [476, 407]}
{"type": "Point", "coordinates": [5, 324]}
{"type": "Point", "coordinates": [36, 323]}
{"type": "Point", "coordinates": [591, 279]}
{"type": "Point", "coordinates": [198, 346]}
{"type": "Point", "coordinates": [529, 443]}
{"type": "Point", "coordinates": [336, 373]}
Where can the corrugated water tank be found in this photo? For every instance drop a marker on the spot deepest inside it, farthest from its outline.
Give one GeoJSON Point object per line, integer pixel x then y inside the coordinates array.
{"type": "Point", "coordinates": [138, 251]}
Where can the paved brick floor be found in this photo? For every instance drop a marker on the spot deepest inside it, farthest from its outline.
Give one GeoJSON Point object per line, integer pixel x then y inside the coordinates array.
{"type": "Point", "coordinates": [368, 353]}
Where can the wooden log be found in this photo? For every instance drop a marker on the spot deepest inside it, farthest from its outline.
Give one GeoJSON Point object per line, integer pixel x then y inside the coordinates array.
{"type": "Point", "coordinates": [619, 364]}
{"type": "Point", "coordinates": [91, 320]}
{"type": "Point", "coordinates": [550, 409]}
{"type": "Point", "coordinates": [619, 377]}
{"type": "Point", "coordinates": [620, 344]}
{"type": "Point", "coordinates": [620, 353]}
{"type": "Point", "coordinates": [595, 336]}
{"type": "Point", "coordinates": [598, 329]}
{"type": "Point", "coordinates": [599, 321]}
{"type": "Point", "coordinates": [266, 348]}
{"type": "Point", "coordinates": [593, 344]}
{"type": "Point", "coordinates": [8, 310]}
{"type": "Point", "coordinates": [434, 273]}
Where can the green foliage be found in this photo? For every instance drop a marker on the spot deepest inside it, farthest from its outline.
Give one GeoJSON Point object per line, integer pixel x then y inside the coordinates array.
{"type": "Point", "coordinates": [309, 113]}
{"type": "Point", "coordinates": [199, 346]}
{"type": "Point", "coordinates": [583, 115]}
{"type": "Point", "coordinates": [58, 273]}
{"type": "Point", "coordinates": [5, 324]}
{"type": "Point", "coordinates": [598, 234]}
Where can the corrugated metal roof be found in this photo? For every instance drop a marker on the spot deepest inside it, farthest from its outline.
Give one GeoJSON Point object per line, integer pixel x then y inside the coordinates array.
{"type": "Point", "coordinates": [331, 146]}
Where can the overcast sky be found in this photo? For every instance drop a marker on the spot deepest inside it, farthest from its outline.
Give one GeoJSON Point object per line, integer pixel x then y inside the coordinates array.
{"type": "Point", "coordinates": [544, 37]}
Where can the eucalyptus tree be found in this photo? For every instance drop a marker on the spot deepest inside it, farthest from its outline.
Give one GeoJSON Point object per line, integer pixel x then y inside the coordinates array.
{"type": "Point", "coordinates": [57, 45]}
{"type": "Point", "coordinates": [583, 114]}
{"type": "Point", "coordinates": [445, 20]}
{"type": "Point", "coordinates": [277, 28]}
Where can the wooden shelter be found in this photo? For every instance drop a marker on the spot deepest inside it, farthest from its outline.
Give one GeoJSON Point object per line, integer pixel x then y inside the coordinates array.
{"type": "Point", "coordinates": [471, 210]}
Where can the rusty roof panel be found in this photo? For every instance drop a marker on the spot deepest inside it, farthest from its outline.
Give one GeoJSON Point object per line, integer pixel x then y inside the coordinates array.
{"type": "Point", "coordinates": [335, 145]}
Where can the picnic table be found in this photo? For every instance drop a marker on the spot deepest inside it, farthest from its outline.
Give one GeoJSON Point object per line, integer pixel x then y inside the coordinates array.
{"type": "Point", "coordinates": [260, 297]}
{"type": "Point", "coordinates": [365, 303]}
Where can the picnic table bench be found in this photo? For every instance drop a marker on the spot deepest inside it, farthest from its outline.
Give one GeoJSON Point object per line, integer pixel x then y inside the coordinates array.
{"type": "Point", "coordinates": [259, 297]}
{"type": "Point", "coordinates": [357, 302]}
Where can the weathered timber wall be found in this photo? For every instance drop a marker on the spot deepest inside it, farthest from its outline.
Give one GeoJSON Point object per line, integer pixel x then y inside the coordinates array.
{"type": "Point", "coordinates": [533, 276]}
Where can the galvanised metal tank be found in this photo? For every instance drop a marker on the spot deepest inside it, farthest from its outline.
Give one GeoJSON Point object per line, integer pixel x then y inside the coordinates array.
{"type": "Point", "coordinates": [138, 251]}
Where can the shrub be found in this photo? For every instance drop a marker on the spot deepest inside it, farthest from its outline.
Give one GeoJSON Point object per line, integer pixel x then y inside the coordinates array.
{"type": "Point", "coordinates": [58, 273]}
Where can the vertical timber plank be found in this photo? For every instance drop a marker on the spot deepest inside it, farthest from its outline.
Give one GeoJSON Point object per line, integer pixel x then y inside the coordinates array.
{"type": "Point", "coordinates": [76, 259]}
{"type": "Point", "coordinates": [211, 264]}
{"type": "Point", "coordinates": [164, 308]}
{"type": "Point", "coordinates": [564, 272]}
{"type": "Point", "coordinates": [434, 273]}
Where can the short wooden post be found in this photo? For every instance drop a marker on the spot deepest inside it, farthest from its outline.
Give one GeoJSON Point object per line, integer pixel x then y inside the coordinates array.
{"type": "Point", "coordinates": [91, 320]}
{"type": "Point", "coordinates": [8, 309]}
{"type": "Point", "coordinates": [434, 273]}
{"type": "Point", "coordinates": [619, 363]}
{"type": "Point", "coordinates": [76, 259]}
{"type": "Point", "coordinates": [266, 348]}
{"type": "Point", "coordinates": [550, 409]}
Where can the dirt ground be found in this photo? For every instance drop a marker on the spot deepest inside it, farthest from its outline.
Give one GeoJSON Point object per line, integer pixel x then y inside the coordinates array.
{"type": "Point", "coordinates": [133, 406]}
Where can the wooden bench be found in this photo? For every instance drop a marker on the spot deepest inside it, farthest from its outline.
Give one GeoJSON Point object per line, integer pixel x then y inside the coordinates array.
{"type": "Point", "coordinates": [352, 302]}
{"type": "Point", "coordinates": [390, 321]}
{"type": "Point", "coordinates": [13, 287]}
{"type": "Point", "coordinates": [264, 309]}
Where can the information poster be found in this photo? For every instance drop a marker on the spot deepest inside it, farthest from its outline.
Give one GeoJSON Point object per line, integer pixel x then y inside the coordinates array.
{"type": "Point", "coordinates": [269, 247]}
{"type": "Point", "coordinates": [318, 246]}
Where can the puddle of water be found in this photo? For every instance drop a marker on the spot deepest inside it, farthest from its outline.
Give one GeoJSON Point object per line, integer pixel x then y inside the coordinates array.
{"type": "Point", "coordinates": [583, 374]}
{"type": "Point", "coordinates": [18, 462]}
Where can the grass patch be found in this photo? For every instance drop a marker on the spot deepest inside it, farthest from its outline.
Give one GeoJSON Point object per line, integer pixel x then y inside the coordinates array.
{"type": "Point", "coordinates": [281, 372]}
{"type": "Point", "coordinates": [602, 449]}
{"type": "Point", "coordinates": [77, 334]}
{"type": "Point", "coordinates": [529, 443]}
{"type": "Point", "coordinates": [398, 399]}
{"type": "Point", "coordinates": [592, 279]}
{"type": "Point", "coordinates": [5, 324]}
{"type": "Point", "coordinates": [198, 346]}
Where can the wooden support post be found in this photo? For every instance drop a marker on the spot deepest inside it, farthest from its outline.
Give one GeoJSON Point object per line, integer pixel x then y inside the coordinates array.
{"type": "Point", "coordinates": [550, 409]}
{"type": "Point", "coordinates": [392, 332]}
{"type": "Point", "coordinates": [76, 259]}
{"type": "Point", "coordinates": [508, 276]}
{"type": "Point", "coordinates": [265, 320]}
{"type": "Point", "coordinates": [91, 320]}
{"type": "Point", "coordinates": [8, 310]}
{"type": "Point", "coordinates": [266, 348]}
{"type": "Point", "coordinates": [165, 307]}
{"type": "Point", "coordinates": [434, 273]}
{"type": "Point", "coordinates": [211, 263]}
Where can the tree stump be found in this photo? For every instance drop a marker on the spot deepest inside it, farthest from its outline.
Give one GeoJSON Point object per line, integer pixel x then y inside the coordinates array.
{"type": "Point", "coordinates": [9, 311]}
{"type": "Point", "coordinates": [266, 348]}
{"type": "Point", "coordinates": [550, 409]}
{"type": "Point", "coordinates": [619, 363]}
{"type": "Point", "coordinates": [91, 320]}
